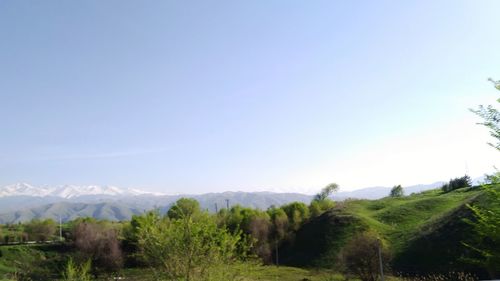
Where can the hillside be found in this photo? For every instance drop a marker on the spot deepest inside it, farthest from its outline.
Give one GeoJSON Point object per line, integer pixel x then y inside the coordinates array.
{"type": "Point", "coordinates": [70, 211]}
{"type": "Point", "coordinates": [424, 231]}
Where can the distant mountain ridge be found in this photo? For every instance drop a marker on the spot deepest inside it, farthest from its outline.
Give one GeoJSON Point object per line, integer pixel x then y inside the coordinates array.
{"type": "Point", "coordinates": [23, 202]}
{"type": "Point", "coordinates": [122, 208]}
{"type": "Point", "coordinates": [67, 191]}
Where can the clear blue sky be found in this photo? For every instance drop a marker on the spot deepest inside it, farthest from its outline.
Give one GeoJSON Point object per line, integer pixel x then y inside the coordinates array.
{"type": "Point", "coordinates": [200, 96]}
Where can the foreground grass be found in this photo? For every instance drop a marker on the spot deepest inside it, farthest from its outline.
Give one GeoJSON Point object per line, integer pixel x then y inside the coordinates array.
{"type": "Point", "coordinates": [252, 272]}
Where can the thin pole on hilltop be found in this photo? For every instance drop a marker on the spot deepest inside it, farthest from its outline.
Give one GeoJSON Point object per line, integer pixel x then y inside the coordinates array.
{"type": "Point", "coordinates": [380, 260]}
{"type": "Point", "coordinates": [60, 229]}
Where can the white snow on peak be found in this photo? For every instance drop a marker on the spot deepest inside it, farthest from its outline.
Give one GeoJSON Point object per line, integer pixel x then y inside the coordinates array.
{"type": "Point", "coordinates": [68, 191]}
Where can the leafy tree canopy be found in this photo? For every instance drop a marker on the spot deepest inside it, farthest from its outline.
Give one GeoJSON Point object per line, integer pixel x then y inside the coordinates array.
{"type": "Point", "coordinates": [184, 208]}
{"type": "Point", "coordinates": [397, 191]}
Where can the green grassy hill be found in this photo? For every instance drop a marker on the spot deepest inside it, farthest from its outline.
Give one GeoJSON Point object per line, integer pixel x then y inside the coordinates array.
{"type": "Point", "coordinates": [423, 231]}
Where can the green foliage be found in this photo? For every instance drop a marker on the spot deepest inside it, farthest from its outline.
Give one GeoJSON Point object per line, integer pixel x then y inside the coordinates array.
{"type": "Point", "coordinates": [424, 231]}
{"type": "Point", "coordinates": [187, 249]}
{"type": "Point", "coordinates": [317, 208]}
{"type": "Point", "coordinates": [37, 262]}
{"type": "Point", "coordinates": [493, 178]}
{"type": "Point", "coordinates": [457, 183]}
{"type": "Point", "coordinates": [486, 238]}
{"type": "Point", "coordinates": [279, 220]}
{"type": "Point", "coordinates": [297, 214]}
{"type": "Point", "coordinates": [318, 242]}
{"type": "Point", "coordinates": [360, 256]}
{"type": "Point", "coordinates": [397, 191]}
{"type": "Point", "coordinates": [321, 201]}
{"type": "Point", "coordinates": [184, 208]}
{"type": "Point", "coordinates": [41, 230]}
{"type": "Point", "coordinates": [74, 272]}
{"type": "Point", "coordinates": [491, 117]}
{"type": "Point", "coordinates": [326, 192]}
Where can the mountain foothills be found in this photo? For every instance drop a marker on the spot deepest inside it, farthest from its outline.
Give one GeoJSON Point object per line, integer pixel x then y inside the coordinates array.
{"type": "Point", "coordinates": [22, 202]}
{"type": "Point", "coordinates": [430, 232]}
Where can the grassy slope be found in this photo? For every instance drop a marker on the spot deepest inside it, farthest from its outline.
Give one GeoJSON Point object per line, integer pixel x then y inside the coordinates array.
{"type": "Point", "coordinates": [40, 261]}
{"type": "Point", "coordinates": [400, 220]}
{"type": "Point", "coordinates": [423, 230]}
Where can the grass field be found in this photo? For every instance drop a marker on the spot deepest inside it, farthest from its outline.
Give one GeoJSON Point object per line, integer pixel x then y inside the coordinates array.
{"type": "Point", "coordinates": [401, 219]}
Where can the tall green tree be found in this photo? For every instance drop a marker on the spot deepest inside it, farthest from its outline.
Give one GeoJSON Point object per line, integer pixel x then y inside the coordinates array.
{"type": "Point", "coordinates": [397, 191]}
{"type": "Point", "coordinates": [486, 238]}
{"type": "Point", "coordinates": [321, 201]}
{"type": "Point", "coordinates": [326, 192]}
{"type": "Point", "coordinates": [297, 213]}
{"type": "Point", "coordinates": [486, 223]}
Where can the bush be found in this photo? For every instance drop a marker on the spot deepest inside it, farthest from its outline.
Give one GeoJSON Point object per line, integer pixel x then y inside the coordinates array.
{"type": "Point", "coordinates": [40, 230]}
{"type": "Point", "coordinates": [360, 257]}
{"type": "Point", "coordinates": [457, 183]}
{"type": "Point", "coordinates": [187, 248]}
{"type": "Point", "coordinates": [73, 272]}
{"type": "Point", "coordinates": [99, 243]}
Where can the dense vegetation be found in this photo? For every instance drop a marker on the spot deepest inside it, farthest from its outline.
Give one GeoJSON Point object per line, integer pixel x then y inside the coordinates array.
{"type": "Point", "coordinates": [426, 233]}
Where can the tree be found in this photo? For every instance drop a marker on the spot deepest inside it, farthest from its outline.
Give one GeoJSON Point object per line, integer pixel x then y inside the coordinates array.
{"type": "Point", "coordinates": [40, 230]}
{"type": "Point", "coordinates": [360, 256]}
{"type": "Point", "coordinates": [99, 243]}
{"type": "Point", "coordinates": [326, 192]}
{"type": "Point", "coordinates": [486, 226]}
{"type": "Point", "coordinates": [279, 221]}
{"type": "Point", "coordinates": [131, 234]}
{"type": "Point", "coordinates": [321, 201]}
{"type": "Point", "coordinates": [259, 229]}
{"type": "Point", "coordinates": [188, 249]}
{"type": "Point", "coordinates": [491, 117]}
{"type": "Point", "coordinates": [397, 191]}
{"type": "Point", "coordinates": [184, 208]}
{"type": "Point", "coordinates": [457, 183]}
{"type": "Point", "coordinates": [486, 222]}
{"type": "Point", "coordinates": [252, 225]}
{"type": "Point", "coordinates": [297, 213]}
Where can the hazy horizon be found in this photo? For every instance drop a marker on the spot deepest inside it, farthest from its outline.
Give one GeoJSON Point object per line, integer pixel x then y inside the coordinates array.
{"type": "Point", "coordinates": [205, 97]}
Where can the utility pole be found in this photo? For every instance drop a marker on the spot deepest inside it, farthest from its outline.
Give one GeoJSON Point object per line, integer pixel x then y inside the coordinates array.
{"type": "Point", "coordinates": [227, 203]}
{"type": "Point", "coordinates": [277, 257]}
{"type": "Point", "coordinates": [216, 209]}
{"type": "Point", "coordinates": [380, 260]}
{"type": "Point", "coordinates": [60, 229]}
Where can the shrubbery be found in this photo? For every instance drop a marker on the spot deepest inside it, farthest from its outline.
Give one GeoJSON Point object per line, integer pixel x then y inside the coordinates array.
{"type": "Point", "coordinates": [457, 183]}
{"type": "Point", "coordinates": [360, 257]}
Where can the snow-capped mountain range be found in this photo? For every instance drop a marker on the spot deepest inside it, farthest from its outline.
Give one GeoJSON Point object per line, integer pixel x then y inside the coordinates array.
{"type": "Point", "coordinates": [68, 191]}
